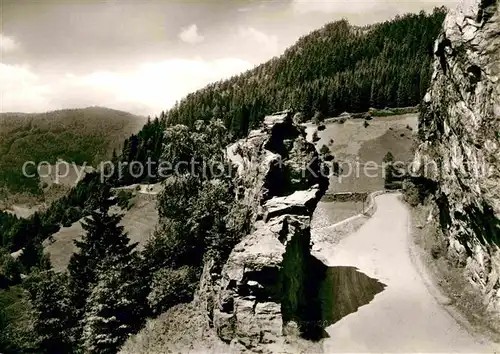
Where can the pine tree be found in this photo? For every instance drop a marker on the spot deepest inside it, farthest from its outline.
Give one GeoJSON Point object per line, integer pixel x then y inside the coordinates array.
{"type": "Point", "coordinates": [390, 171]}
{"type": "Point", "coordinates": [389, 157]}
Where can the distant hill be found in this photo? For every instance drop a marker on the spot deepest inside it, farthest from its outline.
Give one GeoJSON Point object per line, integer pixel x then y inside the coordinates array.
{"type": "Point", "coordinates": [74, 135]}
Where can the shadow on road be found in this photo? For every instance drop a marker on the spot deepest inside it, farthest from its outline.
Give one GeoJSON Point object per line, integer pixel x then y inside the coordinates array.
{"type": "Point", "coordinates": [331, 293]}
{"type": "Point", "coordinates": [344, 290]}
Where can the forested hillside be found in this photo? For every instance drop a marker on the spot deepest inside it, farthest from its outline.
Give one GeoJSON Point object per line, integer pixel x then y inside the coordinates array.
{"type": "Point", "coordinates": [111, 287]}
{"type": "Point", "coordinates": [334, 69]}
{"type": "Point", "coordinates": [74, 135]}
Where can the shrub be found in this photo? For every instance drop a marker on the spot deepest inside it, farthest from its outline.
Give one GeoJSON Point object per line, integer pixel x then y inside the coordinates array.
{"type": "Point", "coordinates": [411, 194]}
{"type": "Point", "coordinates": [321, 127]}
{"type": "Point", "coordinates": [366, 124]}
{"type": "Point", "coordinates": [299, 118]}
{"type": "Point", "coordinates": [382, 112]}
{"type": "Point", "coordinates": [171, 287]}
{"type": "Point", "coordinates": [11, 269]}
{"type": "Point", "coordinates": [124, 198]}
{"type": "Point", "coordinates": [393, 185]}
{"type": "Point", "coordinates": [325, 150]}
{"type": "Point", "coordinates": [73, 214]}
{"type": "Point", "coordinates": [315, 136]}
{"type": "Point", "coordinates": [318, 118]}
{"type": "Point", "coordinates": [405, 110]}
{"type": "Point", "coordinates": [416, 190]}
{"type": "Point", "coordinates": [437, 250]}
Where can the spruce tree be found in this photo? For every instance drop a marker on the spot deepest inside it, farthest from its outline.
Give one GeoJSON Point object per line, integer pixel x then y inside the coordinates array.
{"type": "Point", "coordinates": [104, 240]}
{"type": "Point", "coordinates": [111, 310]}
{"type": "Point", "coordinates": [30, 255]}
{"type": "Point", "coordinates": [52, 312]}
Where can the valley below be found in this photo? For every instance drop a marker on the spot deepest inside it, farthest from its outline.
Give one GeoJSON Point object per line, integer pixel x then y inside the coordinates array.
{"type": "Point", "coordinates": [139, 221]}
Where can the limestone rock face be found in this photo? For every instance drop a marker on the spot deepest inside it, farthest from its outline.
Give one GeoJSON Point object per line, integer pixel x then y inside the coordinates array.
{"type": "Point", "coordinates": [460, 132]}
{"type": "Point", "coordinates": [263, 286]}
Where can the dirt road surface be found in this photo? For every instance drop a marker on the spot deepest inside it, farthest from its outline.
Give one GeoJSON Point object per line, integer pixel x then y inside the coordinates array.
{"type": "Point", "coordinates": [405, 316]}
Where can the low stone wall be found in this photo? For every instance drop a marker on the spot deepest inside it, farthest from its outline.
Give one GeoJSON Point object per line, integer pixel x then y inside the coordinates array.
{"type": "Point", "coordinates": [345, 197]}
{"type": "Point", "coordinates": [151, 189]}
{"type": "Point", "coordinates": [336, 232]}
{"type": "Point", "coordinates": [371, 206]}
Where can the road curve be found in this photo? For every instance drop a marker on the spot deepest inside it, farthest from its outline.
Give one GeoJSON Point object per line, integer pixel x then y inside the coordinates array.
{"type": "Point", "coordinates": [404, 317]}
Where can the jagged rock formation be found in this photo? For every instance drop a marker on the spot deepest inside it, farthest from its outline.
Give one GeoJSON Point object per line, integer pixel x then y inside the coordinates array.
{"type": "Point", "coordinates": [264, 289]}
{"type": "Point", "coordinates": [460, 132]}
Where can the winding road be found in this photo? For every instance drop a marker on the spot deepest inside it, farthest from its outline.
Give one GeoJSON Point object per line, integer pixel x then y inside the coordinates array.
{"type": "Point", "coordinates": [404, 316]}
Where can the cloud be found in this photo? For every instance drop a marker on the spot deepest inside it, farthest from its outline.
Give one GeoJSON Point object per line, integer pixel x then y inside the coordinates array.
{"type": "Point", "coordinates": [148, 89]}
{"type": "Point", "coordinates": [21, 90]}
{"type": "Point", "coordinates": [7, 44]}
{"type": "Point", "coordinates": [157, 85]}
{"type": "Point", "coordinates": [334, 6]}
{"type": "Point", "coordinates": [270, 42]}
{"type": "Point", "coordinates": [352, 7]}
{"type": "Point", "coordinates": [190, 35]}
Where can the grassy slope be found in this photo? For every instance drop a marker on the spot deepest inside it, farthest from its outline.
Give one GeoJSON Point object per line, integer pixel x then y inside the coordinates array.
{"type": "Point", "coordinates": [139, 222]}
{"type": "Point", "coordinates": [75, 135]}
{"type": "Point", "coordinates": [353, 142]}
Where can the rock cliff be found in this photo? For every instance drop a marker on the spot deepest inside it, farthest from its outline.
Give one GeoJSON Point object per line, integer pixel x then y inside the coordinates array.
{"type": "Point", "coordinates": [459, 156]}
{"type": "Point", "coordinates": [264, 290]}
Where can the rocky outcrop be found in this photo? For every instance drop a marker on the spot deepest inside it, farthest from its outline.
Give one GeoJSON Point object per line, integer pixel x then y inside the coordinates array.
{"type": "Point", "coordinates": [460, 150]}
{"type": "Point", "coordinates": [264, 290]}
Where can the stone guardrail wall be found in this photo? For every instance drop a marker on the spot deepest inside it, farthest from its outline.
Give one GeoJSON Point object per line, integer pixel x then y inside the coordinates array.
{"type": "Point", "coordinates": [336, 232]}
{"type": "Point", "coordinates": [345, 197]}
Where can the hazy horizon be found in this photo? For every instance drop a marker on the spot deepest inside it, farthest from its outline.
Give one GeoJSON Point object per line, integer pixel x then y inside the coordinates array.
{"type": "Point", "coordinates": [142, 57]}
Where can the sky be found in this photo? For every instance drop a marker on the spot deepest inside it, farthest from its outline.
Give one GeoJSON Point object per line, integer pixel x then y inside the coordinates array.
{"type": "Point", "coordinates": [143, 56]}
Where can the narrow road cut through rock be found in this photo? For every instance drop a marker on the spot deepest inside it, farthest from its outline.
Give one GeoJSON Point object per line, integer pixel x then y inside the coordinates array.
{"type": "Point", "coordinates": [404, 316]}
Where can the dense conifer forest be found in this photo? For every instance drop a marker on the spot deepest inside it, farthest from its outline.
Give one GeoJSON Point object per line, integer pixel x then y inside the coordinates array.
{"type": "Point", "coordinates": [111, 287]}
{"type": "Point", "coordinates": [334, 69]}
